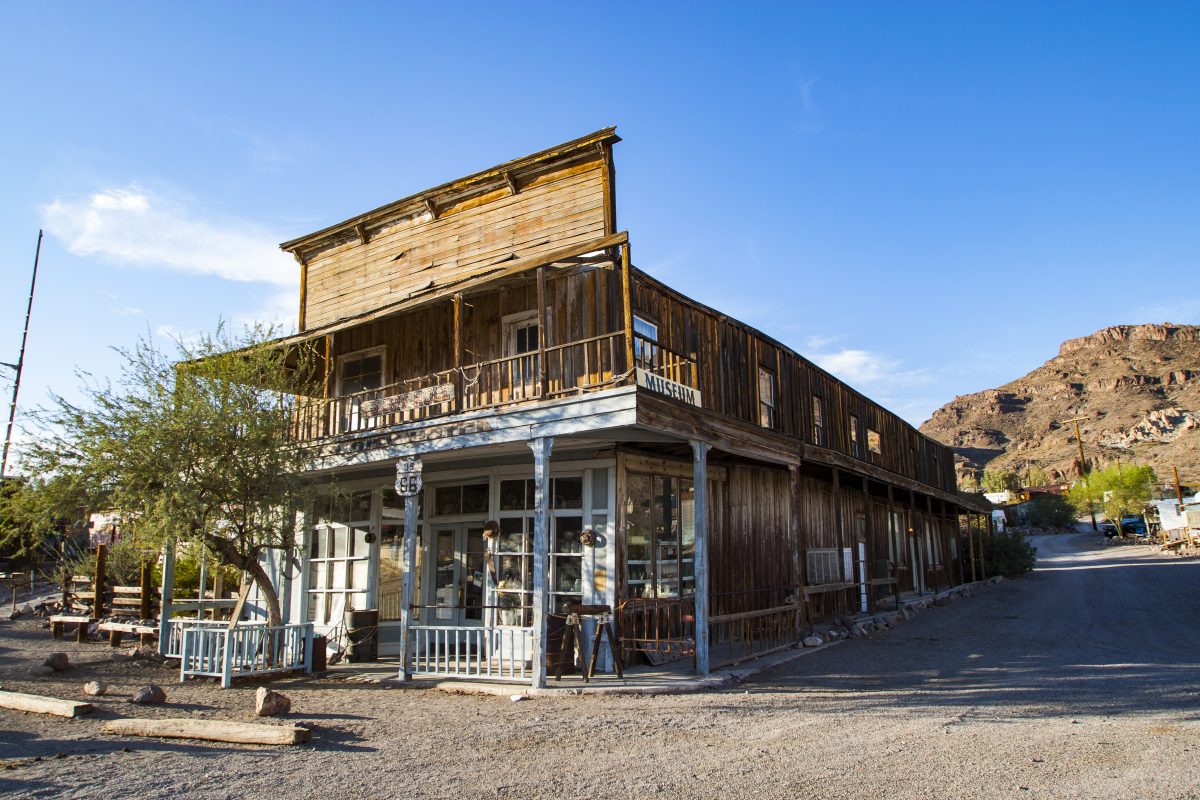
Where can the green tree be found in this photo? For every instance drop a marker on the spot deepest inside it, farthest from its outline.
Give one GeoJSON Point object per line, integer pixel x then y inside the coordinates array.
{"type": "Point", "coordinates": [193, 447]}
{"type": "Point", "coordinates": [1050, 511]}
{"type": "Point", "coordinates": [1000, 480]}
{"type": "Point", "coordinates": [1117, 490]}
{"type": "Point", "coordinates": [968, 483]}
{"type": "Point", "coordinates": [1036, 476]}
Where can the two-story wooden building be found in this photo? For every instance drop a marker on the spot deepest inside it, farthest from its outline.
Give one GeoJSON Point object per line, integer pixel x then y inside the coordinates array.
{"type": "Point", "coordinates": [585, 435]}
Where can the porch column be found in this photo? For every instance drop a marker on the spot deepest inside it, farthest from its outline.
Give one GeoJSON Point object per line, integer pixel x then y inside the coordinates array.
{"type": "Point", "coordinates": [971, 546]}
{"type": "Point", "coordinates": [796, 546]}
{"type": "Point", "coordinates": [841, 541]}
{"type": "Point", "coordinates": [700, 564]}
{"type": "Point", "coordinates": [168, 597]}
{"type": "Point", "coordinates": [541, 546]}
{"type": "Point", "coordinates": [409, 563]}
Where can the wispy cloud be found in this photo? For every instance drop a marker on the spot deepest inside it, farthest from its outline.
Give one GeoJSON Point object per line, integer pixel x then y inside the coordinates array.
{"type": "Point", "coordinates": [132, 226]}
{"type": "Point", "coordinates": [1181, 310]}
{"type": "Point", "coordinates": [866, 370]}
{"type": "Point", "coordinates": [126, 311]}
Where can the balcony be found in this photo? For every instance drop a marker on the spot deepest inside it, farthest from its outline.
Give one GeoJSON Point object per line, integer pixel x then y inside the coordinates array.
{"type": "Point", "coordinates": [571, 369]}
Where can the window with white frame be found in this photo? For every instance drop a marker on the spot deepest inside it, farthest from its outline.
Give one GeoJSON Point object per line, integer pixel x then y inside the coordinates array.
{"type": "Point", "coordinates": [339, 557]}
{"type": "Point", "coordinates": [521, 337]}
{"type": "Point", "coordinates": [359, 377]}
{"type": "Point", "coordinates": [514, 548]}
{"type": "Point", "coordinates": [818, 420]}
{"type": "Point", "coordinates": [645, 343]}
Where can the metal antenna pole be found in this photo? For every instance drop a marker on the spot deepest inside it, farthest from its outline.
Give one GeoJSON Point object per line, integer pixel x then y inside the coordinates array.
{"type": "Point", "coordinates": [20, 365]}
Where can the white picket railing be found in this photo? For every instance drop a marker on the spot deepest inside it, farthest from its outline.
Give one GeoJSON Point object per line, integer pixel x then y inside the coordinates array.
{"type": "Point", "coordinates": [462, 651]}
{"type": "Point", "coordinates": [174, 641]}
{"type": "Point", "coordinates": [253, 648]}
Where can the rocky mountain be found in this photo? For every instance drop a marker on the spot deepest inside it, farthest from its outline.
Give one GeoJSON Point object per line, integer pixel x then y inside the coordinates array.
{"type": "Point", "coordinates": [1136, 386]}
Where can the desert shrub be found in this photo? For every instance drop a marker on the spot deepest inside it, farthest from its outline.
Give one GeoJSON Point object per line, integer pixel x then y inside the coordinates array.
{"type": "Point", "coordinates": [1009, 554]}
{"type": "Point", "coordinates": [1050, 511]}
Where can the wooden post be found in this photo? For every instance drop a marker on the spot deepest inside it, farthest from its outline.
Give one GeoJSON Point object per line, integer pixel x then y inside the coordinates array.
{"type": "Point", "coordinates": [541, 312]}
{"type": "Point", "coordinates": [700, 514]}
{"type": "Point", "coordinates": [168, 597]}
{"type": "Point", "coordinates": [98, 583]}
{"type": "Point", "coordinates": [541, 447]}
{"type": "Point", "coordinates": [627, 305]}
{"type": "Point", "coordinates": [982, 557]}
{"type": "Point", "coordinates": [203, 583]}
{"type": "Point", "coordinates": [146, 591]}
{"type": "Point", "coordinates": [459, 401]}
{"type": "Point", "coordinates": [408, 565]}
{"type": "Point", "coordinates": [934, 533]}
{"type": "Point", "coordinates": [870, 532]}
{"type": "Point", "coordinates": [892, 544]}
{"type": "Point", "coordinates": [795, 544]}
{"type": "Point", "coordinates": [971, 547]}
{"type": "Point", "coordinates": [841, 544]}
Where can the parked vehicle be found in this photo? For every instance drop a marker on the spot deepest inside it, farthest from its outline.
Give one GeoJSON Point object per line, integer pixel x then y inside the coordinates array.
{"type": "Point", "coordinates": [1108, 529]}
{"type": "Point", "coordinates": [1133, 525]}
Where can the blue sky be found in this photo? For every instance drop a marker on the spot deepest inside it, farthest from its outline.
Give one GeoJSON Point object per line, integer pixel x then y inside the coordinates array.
{"type": "Point", "coordinates": [924, 197]}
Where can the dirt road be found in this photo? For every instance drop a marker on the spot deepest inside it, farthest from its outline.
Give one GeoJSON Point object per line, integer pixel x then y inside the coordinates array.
{"type": "Point", "coordinates": [1079, 681]}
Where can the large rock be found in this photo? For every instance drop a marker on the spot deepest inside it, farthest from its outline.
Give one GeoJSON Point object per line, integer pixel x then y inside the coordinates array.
{"type": "Point", "coordinates": [95, 688]}
{"type": "Point", "coordinates": [813, 641]}
{"type": "Point", "coordinates": [59, 662]}
{"type": "Point", "coordinates": [271, 704]}
{"type": "Point", "coordinates": [149, 695]}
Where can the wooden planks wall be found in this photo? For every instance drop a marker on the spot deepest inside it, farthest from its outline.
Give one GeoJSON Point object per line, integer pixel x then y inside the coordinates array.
{"type": "Point", "coordinates": [729, 353]}
{"type": "Point", "coordinates": [555, 210]}
{"type": "Point", "coordinates": [581, 303]}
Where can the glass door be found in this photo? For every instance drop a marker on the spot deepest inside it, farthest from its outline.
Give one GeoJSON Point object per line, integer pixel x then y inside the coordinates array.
{"type": "Point", "coordinates": [454, 582]}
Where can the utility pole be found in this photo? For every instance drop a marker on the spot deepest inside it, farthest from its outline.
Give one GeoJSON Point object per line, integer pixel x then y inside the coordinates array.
{"type": "Point", "coordinates": [1083, 467]}
{"type": "Point", "coordinates": [20, 365]}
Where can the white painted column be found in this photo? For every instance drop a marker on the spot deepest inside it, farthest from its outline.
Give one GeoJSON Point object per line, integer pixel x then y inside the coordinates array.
{"type": "Point", "coordinates": [700, 486]}
{"type": "Point", "coordinates": [168, 597]}
{"type": "Point", "coordinates": [409, 565]}
{"type": "Point", "coordinates": [541, 547]}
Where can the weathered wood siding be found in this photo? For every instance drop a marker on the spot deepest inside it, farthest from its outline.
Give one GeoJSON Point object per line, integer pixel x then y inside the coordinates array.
{"type": "Point", "coordinates": [581, 303]}
{"type": "Point", "coordinates": [554, 210]}
{"type": "Point", "coordinates": [728, 354]}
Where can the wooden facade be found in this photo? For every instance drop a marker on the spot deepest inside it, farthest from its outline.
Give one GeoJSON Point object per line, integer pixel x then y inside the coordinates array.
{"type": "Point", "coordinates": [505, 309]}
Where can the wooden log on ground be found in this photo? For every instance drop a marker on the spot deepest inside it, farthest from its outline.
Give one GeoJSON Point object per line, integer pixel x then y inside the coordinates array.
{"type": "Point", "coordinates": [43, 705]}
{"type": "Point", "coordinates": [211, 730]}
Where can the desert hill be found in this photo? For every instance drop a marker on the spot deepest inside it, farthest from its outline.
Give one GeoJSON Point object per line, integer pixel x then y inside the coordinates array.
{"type": "Point", "coordinates": [1137, 385]}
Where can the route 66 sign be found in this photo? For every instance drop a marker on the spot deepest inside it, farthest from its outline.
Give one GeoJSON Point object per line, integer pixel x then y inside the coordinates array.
{"type": "Point", "coordinates": [408, 477]}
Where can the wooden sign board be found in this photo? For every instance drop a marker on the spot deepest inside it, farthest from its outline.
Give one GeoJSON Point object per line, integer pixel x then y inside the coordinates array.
{"type": "Point", "coordinates": [668, 387]}
{"type": "Point", "coordinates": [408, 477]}
{"type": "Point", "coordinates": [429, 396]}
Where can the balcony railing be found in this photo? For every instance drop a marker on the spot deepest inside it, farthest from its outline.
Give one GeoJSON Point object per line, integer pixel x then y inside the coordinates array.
{"type": "Point", "coordinates": [574, 368]}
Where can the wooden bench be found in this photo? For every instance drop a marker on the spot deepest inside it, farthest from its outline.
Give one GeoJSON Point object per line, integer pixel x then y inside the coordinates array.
{"type": "Point", "coordinates": [116, 630]}
{"type": "Point", "coordinates": [57, 621]}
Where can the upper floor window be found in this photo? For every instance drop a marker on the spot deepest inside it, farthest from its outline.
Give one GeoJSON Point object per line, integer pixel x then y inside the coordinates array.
{"type": "Point", "coordinates": [766, 397]}
{"type": "Point", "coordinates": [855, 446]}
{"type": "Point", "coordinates": [873, 442]}
{"type": "Point", "coordinates": [521, 337]}
{"type": "Point", "coordinates": [360, 371]}
{"type": "Point", "coordinates": [818, 417]}
{"type": "Point", "coordinates": [645, 339]}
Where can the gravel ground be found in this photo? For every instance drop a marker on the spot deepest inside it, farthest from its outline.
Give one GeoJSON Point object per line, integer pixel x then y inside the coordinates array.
{"type": "Point", "coordinates": [1079, 681]}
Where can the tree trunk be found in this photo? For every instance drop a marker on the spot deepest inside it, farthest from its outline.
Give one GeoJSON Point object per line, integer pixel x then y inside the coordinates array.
{"type": "Point", "coordinates": [230, 555]}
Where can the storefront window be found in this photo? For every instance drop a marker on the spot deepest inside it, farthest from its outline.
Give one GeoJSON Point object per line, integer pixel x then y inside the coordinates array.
{"type": "Point", "coordinates": [660, 537]}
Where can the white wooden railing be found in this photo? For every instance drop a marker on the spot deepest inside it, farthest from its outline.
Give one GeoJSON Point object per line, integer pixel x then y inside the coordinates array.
{"type": "Point", "coordinates": [461, 651]}
{"type": "Point", "coordinates": [174, 641]}
{"type": "Point", "coordinates": [253, 648]}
